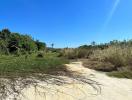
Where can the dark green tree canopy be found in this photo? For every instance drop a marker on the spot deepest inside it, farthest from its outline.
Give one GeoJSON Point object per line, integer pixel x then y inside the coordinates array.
{"type": "Point", "coordinates": [40, 45]}
{"type": "Point", "coordinates": [12, 42]}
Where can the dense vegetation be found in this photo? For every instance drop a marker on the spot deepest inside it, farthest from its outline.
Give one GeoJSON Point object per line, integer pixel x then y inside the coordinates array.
{"type": "Point", "coordinates": [11, 66]}
{"type": "Point", "coordinates": [114, 57]}
{"type": "Point", "coordinates": [21, 55]}
{"type": "Point", "coordinates": [25, 61]}
{"type": "Point", "coordinates": [15, 43]}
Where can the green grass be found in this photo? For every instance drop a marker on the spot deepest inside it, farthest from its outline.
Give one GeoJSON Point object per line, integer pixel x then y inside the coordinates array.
{"type": "Point", "coordinates": [21, 66]}
{"type": "Point", "coordinates": [121, 74]}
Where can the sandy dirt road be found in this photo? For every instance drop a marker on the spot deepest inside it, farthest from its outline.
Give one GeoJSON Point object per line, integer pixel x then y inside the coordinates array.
{"type": "Point", "coordinates": [109, 88]}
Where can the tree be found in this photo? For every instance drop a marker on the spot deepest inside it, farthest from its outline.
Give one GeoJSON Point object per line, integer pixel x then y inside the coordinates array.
{"type": "Point", "coordinates": [5, 34]}
{"type": "Point", "coordinates": [40, 45]}
{"type": "Point", "coordinates": [52, 45]}
{"type": "Point", "coordinates": [27, 43]}
{"type": "Point", "coordinates": [93, 43]}
{"type": "Point", "coordinates": [14, 42]}
{"type": "Point", "coordinates": [114, 42]}
{"type": "Point", "coordinates": [3, 47]}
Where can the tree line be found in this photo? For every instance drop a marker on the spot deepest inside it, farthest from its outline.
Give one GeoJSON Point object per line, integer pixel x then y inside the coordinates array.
{"type": "Point", "coordinates": [93, 45]}
{"type": "Point", "coordinates": [15, 43]}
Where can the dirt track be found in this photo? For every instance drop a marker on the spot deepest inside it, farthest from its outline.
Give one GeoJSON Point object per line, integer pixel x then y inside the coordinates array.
{"type": "Point", "coordinates": [111, 88]}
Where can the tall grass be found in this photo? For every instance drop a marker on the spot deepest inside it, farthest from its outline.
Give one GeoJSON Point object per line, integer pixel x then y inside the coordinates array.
{"type": "Point", "coordinates": [69, 53]}
{"type": "Point", "coordinates": [76, 53]}
{"type": "Point", "coordinates": [119, 56]}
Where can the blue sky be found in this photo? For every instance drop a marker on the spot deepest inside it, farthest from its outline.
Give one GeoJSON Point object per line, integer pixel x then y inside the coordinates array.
{"type": "Point", "coordinates": [68, 23]}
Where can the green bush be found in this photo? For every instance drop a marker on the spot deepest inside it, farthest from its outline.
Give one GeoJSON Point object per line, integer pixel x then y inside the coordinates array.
{"type": "Point", "coordinates": [11, 42]}
{"type": "Point", "coordinates": [121, 74]}
{"type": "Point", "coordinates": [40, 55]}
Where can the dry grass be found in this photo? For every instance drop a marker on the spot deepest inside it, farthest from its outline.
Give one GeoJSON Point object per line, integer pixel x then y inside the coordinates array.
{"type": "Point", "coordinates": [77, 53]}
{"type": "Point", "coordinates": [70, 53]}
{"type": "Point", "coordinates": [98, 65]}
{"type": "Point", "coordinates": [116, 60]}
{"type": "Point", "coordinates": [116, 55]}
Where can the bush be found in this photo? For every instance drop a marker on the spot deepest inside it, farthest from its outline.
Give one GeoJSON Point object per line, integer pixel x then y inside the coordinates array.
{"type": "Point", "coordinates": [121, 74]}
{"type": "Point", "coordinates": [10, 42]}
{"type": "Point", "coordinates": [116, 55]}
{"type": "Point", "coordinates": [83, 53]}
{"type": "Point", "coordinates": [70, 53]}
{"type": "Point", "coordinates": [98, 65]}
{"type": "Point", "coordinates": [40, 55]}
{"type": "Point", "coordinates": [116, 60]}
{"type": "Point", "coordinates": [102, 66]}
{"type": "Point", "coordinates": [75, 53]}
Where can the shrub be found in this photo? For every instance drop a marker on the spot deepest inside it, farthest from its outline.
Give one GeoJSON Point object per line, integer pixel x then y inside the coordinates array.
{"type": "Point", "coordinates": [116, 60]}
{"type": "Point", "coordinates": [102, 66]}
{"type": "Point", "coordinates": [40, 55]}
{"type": "Point", "coordinates": [75, 53]}
{"type": "Point", "coordinates": [98, 65]}
{"type": "Point", "coordinates": [116, 55]}
{"type": "Point", "coordinates": [121, 74]}
{"type": "Point", "coordinates": [83, 53]}
{"type": "Point", "coordinates": [70, 53]}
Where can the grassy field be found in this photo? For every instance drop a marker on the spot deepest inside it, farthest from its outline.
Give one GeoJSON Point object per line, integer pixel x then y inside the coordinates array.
{"type": "Point", "coordinates": [20, 72]}
{"type": "Point", "coordinates": [13, 66]}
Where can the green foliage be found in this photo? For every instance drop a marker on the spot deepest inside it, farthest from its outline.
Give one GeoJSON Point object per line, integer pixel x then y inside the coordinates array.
{"type": "Point", "coordinates": [16, 43]}
{"type": "Point", "coordinates": [5, 34]}
{"type": "Point", "coordinates": [40, 54]}
{"type": "Point", "coordinates": [3, 47]}
{"type": "Point", "coordinates": [16, 66]}
{"type": "Point", "coordinates": [98, 65]}
{"type": "Point", "coordinates": [40, 45]}
{"type": "Point", "coordinates": [121, 74]}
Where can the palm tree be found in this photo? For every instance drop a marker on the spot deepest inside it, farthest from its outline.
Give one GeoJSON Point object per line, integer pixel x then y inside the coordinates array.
{"type": "Point", "coordinates": [52, 45]}
{"type": "Point", "coordinates": [93, 43]}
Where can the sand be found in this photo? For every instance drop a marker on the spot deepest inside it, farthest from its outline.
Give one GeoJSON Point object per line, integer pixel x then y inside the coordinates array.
{"type": "Point", "coordinates": [111, 88]}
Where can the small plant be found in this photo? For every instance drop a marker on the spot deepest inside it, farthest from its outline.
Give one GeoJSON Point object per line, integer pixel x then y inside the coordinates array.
{"type": "Point", "coordinates": [40, 55]}
{"type": "Point", "coordinates": [121, 74]}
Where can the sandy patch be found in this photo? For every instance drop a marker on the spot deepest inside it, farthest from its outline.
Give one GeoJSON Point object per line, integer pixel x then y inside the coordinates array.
{"type": "Point", "coordinates": [111, 88]}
